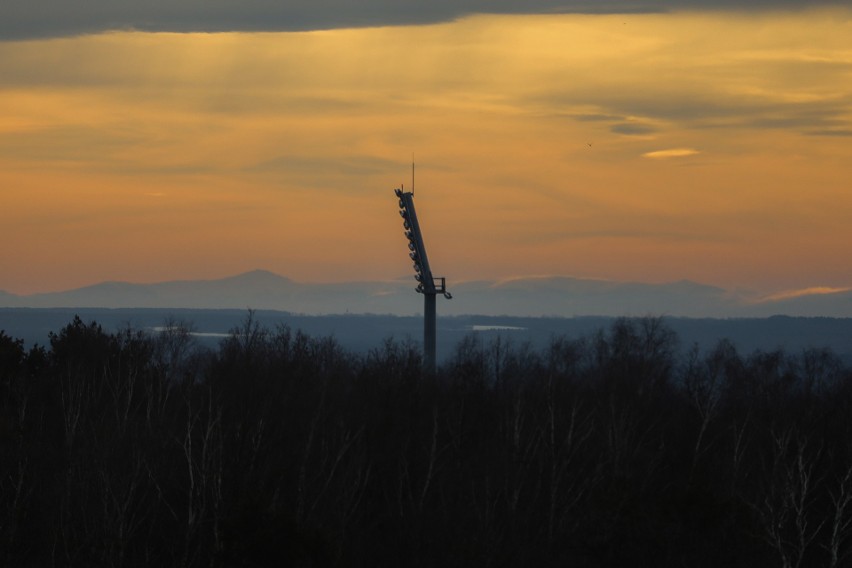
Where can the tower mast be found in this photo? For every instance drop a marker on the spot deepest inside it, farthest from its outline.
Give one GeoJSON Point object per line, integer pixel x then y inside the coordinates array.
{"type": "Point", "coordinates": [427, 285]}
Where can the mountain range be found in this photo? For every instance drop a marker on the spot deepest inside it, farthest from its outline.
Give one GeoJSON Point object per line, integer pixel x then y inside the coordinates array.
{"type": "Point", "coordinates": [535, 296]}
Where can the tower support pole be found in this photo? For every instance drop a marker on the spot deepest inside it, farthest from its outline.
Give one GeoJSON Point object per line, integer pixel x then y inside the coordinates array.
{"type": "Point", "coordinates": [429, 332]}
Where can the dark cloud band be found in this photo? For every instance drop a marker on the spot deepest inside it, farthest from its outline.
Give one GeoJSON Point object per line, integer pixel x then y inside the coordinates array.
{"type": "Point", "coordinates": [24, 19]}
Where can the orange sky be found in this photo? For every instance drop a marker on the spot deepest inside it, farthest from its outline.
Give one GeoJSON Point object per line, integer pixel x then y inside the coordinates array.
{"type": "Point", "coordinates": [721, 151]}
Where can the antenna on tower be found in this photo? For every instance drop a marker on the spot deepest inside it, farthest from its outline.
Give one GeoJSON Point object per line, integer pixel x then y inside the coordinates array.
{"type": "Point", "coordinates": [412, 173]}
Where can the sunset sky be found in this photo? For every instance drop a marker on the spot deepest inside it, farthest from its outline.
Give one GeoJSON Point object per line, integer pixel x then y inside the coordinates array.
{"type": "Point", "coordinates": [195, 140]}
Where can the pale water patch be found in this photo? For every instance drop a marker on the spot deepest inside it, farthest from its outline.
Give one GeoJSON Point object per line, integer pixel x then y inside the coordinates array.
{"type": "Point", "coordinates": [161, 329]}
{"type": "Point", "coordinates": [497, 328]}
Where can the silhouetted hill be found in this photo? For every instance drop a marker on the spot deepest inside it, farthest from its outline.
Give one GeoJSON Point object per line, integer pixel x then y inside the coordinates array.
{"type": "Point", "coordinates": [563, 296]}
{"type": "Point", "coordinates": [7, 299]}
{"type": "Point", "coordinates": [552, 296]}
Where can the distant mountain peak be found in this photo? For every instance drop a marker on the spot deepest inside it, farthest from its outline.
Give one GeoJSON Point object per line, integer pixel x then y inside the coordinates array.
{"type": "Point", "coordinates": [259, 275]}
{"type": "Point", "coordinates": [549, 295]}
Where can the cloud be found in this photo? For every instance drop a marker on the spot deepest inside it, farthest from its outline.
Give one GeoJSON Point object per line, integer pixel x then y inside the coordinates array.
{"type": "Point", "coordinates": [670, 153]}
{"type": "Point", "coordinates": [839, 133]}
{"type": "Point", "coordinates": [814, 291]}
{"type": "Point", "coordinates": [596, 117]}
{"type": "Point", "coordinates": [328, 165]}
{"type": "Point", "coordinates": [23, 19]}
{"type": "Point", "coordinates": [727, 110]}
{"type": "Point", "coordinates": [632, 129]}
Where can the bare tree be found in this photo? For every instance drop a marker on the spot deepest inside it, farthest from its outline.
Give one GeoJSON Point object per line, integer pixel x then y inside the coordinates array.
{"type": "Point", "coordinates": [703, 384]}
{"type": "Point", "coordinates": [785, 506]}
{"type": "Point", "coordinates": [202, 449]}
{"type": "Point", "coordinates": [840, 521]}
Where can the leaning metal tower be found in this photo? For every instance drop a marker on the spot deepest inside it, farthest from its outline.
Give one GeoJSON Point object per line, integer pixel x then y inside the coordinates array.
{"type": "Point", "coordinates": [427, 285]}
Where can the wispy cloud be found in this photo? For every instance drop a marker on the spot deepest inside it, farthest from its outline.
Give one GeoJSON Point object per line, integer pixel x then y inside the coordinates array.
{"type": "Point", "coordinates": [633, 129]}
{"type": "Point", "coordinates": [840, 133]}
{"type": "Point", "coordinates": [814, 291]}
{"type": "Point", "coordinates": [670, 153]}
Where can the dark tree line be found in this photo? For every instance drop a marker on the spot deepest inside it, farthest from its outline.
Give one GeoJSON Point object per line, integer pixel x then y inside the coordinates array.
{"type": "Point", "coordinates": [280, 449]}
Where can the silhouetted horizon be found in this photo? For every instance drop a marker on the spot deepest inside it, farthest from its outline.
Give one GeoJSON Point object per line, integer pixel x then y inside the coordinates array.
{"type": "Point", "coordinates": [558, 296]}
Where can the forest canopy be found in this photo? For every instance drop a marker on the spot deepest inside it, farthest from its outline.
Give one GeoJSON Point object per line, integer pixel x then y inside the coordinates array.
{"type": "Point", "coordinates": [276, 448]}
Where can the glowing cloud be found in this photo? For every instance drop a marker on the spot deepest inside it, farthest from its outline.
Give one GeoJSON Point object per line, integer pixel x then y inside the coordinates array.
{"type": "Point", "coordinates": [814, 291]}
{"type": "Point", "coordinates": [670, 153]}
